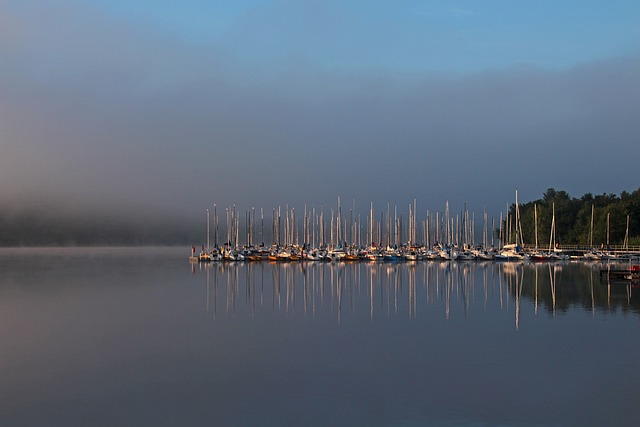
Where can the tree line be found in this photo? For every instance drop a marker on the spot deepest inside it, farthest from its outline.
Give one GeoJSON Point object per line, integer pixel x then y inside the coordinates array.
{"type": "Point", "coordinates": [578, 221]}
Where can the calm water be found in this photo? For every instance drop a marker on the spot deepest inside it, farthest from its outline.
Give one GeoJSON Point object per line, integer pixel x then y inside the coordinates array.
{"type": "Point", "coordinates": [141, 337]}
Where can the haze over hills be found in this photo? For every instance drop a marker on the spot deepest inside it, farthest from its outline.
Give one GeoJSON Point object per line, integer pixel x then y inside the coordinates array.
{"type": "Point", "coordinates": [47, 221]}
{"type": "Point", "coordinates": [170, 106]}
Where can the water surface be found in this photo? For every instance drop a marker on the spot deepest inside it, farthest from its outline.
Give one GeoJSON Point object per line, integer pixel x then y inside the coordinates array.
{"type": "Point", "coordinates": [140, 336]}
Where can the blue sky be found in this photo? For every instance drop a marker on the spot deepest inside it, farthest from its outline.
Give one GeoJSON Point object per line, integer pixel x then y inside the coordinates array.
{"type": "Point", "coordinates": [405, 36]}
{"type": "Point", "coordinates": [176, 105]}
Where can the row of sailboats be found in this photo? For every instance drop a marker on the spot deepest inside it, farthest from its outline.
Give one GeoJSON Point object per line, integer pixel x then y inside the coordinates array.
{"type": "Point", "coordinates": [443, 238]}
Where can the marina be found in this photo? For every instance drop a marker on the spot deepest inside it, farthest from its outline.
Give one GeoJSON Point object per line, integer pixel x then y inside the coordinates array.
{"type": "Point", "coordinates": [390, 238]}
{"type": "Point", "coordinates": [276, 253]}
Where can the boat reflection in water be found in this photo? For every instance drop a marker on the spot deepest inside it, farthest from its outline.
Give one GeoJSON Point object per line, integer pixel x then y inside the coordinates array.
{"type": "Point", "coordinates": [376, 291]}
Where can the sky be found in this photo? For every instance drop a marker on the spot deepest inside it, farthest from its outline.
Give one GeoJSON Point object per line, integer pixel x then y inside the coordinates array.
{"type": "Point", "coordinates": [170, 106]}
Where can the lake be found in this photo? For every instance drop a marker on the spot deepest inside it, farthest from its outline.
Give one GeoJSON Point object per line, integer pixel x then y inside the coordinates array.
{"type": "Point", "coordinates": [143, 337]}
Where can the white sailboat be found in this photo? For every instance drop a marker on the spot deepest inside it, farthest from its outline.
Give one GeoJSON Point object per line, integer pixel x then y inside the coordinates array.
{"type": "Point", "coordinates": [592, 254]}
{"type": "Point", "coordinates": [205, 254]}
{"type": "Point", "coordinates": [513, 251]}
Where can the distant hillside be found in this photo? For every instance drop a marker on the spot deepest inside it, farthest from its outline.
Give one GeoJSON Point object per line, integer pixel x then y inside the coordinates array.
{"type": "Point", "coordinates": [34, 228]}
{"type": "Point", "coordinates": [50, 227]}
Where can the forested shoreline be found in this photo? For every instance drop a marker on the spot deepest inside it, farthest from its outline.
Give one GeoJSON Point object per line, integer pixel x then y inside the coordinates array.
{"type": "Point", "coordinates": [573, 218]}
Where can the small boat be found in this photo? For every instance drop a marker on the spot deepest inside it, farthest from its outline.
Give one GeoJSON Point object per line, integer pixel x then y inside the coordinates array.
{"type": "Point", "coordinates": [234, 255]}
{"type": "Point", "coordinates": [592, 255]}
{"type": "Point", "coordinates": [482, 254]}
{"type": "Point", "coordinates": [392, 255]}
{"type": "Point", "coordinates": [510, 252]}
{"type": "Point", "coordinates": [204, 257]}
{"type": "Point", "coordinates": [283, 255]}
{"type": "Point", "coordinates": [445, 255]}
{"type": "Point", "coordinates": [466, 255]}
{"type": "Point", "coordinates": [313, 256]}
{"type": "Point", "coordinates": [336, 254]}
{"type": "Point", "coordinates": [351, 255]}
{"type": "Point", "coordinates": [539, 256]}
{"type": "Point", "coordinates": [410, 255]}
{"type": "Point", "coordinates": [431, 255]}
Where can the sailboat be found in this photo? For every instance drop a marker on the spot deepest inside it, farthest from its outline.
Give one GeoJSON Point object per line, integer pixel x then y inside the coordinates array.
{"type": "Point", "coordinates": [513, 251]}
{"type": "Point", "coordinates": [554, 252]}
{"type": "Point", "coordinates": [609, 255]}
{"type": "Point", "coordinates": [536, 255]}
{"type": "Point", "coordinates": [205, 254]}
{"type": "Point", "coordinates": [592, 254]}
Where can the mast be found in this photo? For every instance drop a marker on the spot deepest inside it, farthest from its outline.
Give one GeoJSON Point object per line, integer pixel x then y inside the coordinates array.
{"type": "Point", "coordinates": [446, 218]}
{"type": "Point", "coordinates": [228, 228]}
{"type": "Point", "coordinates": [388, 224]}
{"type": "Point", "coordinates": [410, 225]}
{"type": "Point", "coordinates": [438, 227]}
{"type": "Point", "coordinates": [608, 223]}
{"type": "Point", "coordinates": [493, 225]}
{"type": "Point", "coordinates": [552, 236]}
{"type": "Point", "coordinates": [535, 221]}
{"type": "Point", "coordinates": [371, 239]}
{"type": "Point", "coordinates": [625, 244]}
{"type": "Point", "coordinates": [465, 226]}
{"type": "Point", "coordinates": [395, 225]}
{"type": "Point", "coordinates": [427, 230]}
{"type": "Point", "coordinates": [591, 228]}
{"type": "Point", "coordinates": [517, 222]}
{"type": "Point", "coordinates": [314, 228]}
{"type": "Point", "coordinates": [252, 220]}
{"type": "Point", "coordinates": [215, 225]}
{"type": "Point", "coordinates": [414, 236]}
{"type": "Point", "coordinates": [207, 230]}
{"type": "Point", "coordinates": [323, 237]}
{"type": "Point", "coordinates": [485, 237]}
{"type": "Point", "coordinates": [338, 225]}
{"type": "Point", "coordinates": [237, 225]}
{"type": "Point", "coordinates": [502, 232]}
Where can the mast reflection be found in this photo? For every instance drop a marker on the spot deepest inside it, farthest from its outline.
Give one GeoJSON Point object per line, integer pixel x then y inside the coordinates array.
{"type": "Point", "coordinates": [339, 292]}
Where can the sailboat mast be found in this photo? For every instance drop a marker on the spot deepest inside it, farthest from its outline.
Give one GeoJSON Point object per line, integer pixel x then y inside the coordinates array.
{"type": "Point", "coordinates": [535, 220]}
{"type": "Point", "coordinates": [625, 245]}
{"type": "Point", "coordinates": [215, 225]}
{"type": "Point", "coordinates": [493, 226]}
{"type": "Point", "coordinates": [207, 230]}
{"type": "Point", "coordinates": [485, 237]}
{"type": "Point", "coordinates": [517, 219]}
{"type": "Point", "coordinates": [371, 224]}
{"type": "Point", "coordinates": [338, 225]}
{"type": "Point", "coordinates": [552, 236]}
{"type": "Point", "coordinates": [414, 237]}
{"type": "Point", "coordinates": [591, 228]}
